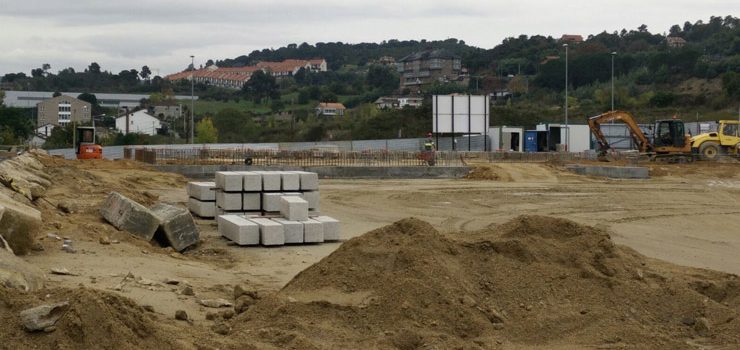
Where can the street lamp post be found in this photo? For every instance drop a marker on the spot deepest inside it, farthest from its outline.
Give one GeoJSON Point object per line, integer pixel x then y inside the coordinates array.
{"type": "Point", "coordinates": [192, 98]}
{"type": "Point", "coordinates": [613, 54]}
{"type": "Point", "coordinates": [567, 141]}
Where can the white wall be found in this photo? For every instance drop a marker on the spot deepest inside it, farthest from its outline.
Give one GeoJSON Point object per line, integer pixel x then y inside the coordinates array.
{"type": "Point", "coordinates": [496, 137]}
{"type": "Point", "coordinates": [139, 122]}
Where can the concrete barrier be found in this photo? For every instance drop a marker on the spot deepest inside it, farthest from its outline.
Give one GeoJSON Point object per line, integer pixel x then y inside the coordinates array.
{"type": "Point", "coordinates": [615, 172]}
{"type": "Point", "coordinates": [326, 172]}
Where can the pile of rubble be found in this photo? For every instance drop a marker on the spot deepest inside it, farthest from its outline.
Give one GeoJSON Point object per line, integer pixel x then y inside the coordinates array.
{"type": "Point", "coordinates": [264, 207]}
{"type": "Point", "coordinates": [165, 222]}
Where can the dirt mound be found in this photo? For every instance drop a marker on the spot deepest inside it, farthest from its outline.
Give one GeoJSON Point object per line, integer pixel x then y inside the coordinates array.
{"type": "Point", "coordinates": [93, 320]}
{"type": "Point", "coordinates": [478, 172]}
{"type": "Point", "coordinates": [534, 281]}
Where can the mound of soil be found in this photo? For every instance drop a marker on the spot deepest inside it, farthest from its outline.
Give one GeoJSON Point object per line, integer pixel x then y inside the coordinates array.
{"type": "Point", "coordinates": [94, 320]}
{"type": "Point", "coordinates": [478, 172]}
{"type": "Point", "coordinates": [534, 281]}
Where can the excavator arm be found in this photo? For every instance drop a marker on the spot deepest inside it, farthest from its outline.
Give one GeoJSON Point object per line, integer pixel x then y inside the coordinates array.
{"type": "Point", "coordinates": [594, 123]}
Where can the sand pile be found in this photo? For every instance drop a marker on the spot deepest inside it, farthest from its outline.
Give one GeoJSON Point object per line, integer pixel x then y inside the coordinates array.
{"type": "Point", "coordinates": [93, 320]}
{"type": "Point", "coordinates": [482, 172]}
{"type": "Point", "coordinates": [534, 281]}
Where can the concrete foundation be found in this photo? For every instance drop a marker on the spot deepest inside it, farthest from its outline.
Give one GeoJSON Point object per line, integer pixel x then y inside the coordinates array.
{"type": "Point", "coordinates": [309, 181]}
{"type": "Point", "coordinates": [203, 191]}
{"type": "Point", "coordinates": [271, 232]}
{"type": "Point", "coordinates": [294, 208]}
{"type": "Point", "coordinates": [290, 181]}
{"type": "Point", "coordinates": [251, 201]}
{"type": "Point", "coordinates": [328, 172]}
{"type": "Point", "coordinates": [615, 172]}
{"type": "Point", "coordinates": [202, 209]}
{"type": "Point", "coordinates": [238, 229]}
{"type": "Point", "coordinates": [271, 180]}
{"type": "Point", "coordinates": [331, 227]}
{"type": "Point", "coordinates": [177, 225]}
{"type": "Point", "coordinates": [293, 230]}
{"type": "Point", "coordinates": [252, 181]}
{"type": "Point", "coordinates": [313, 231]}
{"type": "Point", "coordinates": [313, 199]}
{"type": "Point", "coordinates": [125, 214]}
{"type": "Point", "coordinates": [229, 200]}
{"type": "Point", "coordinates": [229, 181]}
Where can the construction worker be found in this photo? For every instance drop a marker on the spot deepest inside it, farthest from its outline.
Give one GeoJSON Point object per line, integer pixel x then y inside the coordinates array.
{"type": "Point", "coordinates": [429, 144]}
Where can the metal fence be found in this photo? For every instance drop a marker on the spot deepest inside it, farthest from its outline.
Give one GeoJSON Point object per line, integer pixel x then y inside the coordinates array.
{"type": "Point", "coordinates": [206, 156]}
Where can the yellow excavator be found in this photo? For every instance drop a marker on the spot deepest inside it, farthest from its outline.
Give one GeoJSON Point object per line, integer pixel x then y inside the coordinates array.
{"type": "Point", "coordinates": [670, 140]}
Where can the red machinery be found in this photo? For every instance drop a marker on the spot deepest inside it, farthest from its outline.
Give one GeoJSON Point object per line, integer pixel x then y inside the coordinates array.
{"type": "Point", "coordinates": [85, 146]}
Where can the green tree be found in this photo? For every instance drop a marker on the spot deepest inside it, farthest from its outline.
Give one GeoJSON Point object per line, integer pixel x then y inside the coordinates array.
{"type": "Point", "coordinates": [731, 84]}
{"type": "Point", "coordinates": [382, 77]}
{"type": "Point", "coordinates": [205, 131]}
{"type": "Point", "coordinates": [93, 100]}
{"type": "Point", "coordinates": [261, 86]}
{"type": "Point", "coordinates": [145, 72]}
{"type": "Point", "coordinates": [15, 124]}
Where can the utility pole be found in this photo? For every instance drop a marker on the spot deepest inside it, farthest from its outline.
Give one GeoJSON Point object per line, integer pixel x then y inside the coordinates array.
{"type": "Point", "coordinates": [613, 54]}
{"type": "Point", "coordinates": [567, 143]}
{"type": "Point", "coordinates": [192, 99]}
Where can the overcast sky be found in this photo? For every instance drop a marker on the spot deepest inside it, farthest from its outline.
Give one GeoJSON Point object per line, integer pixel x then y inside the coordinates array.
{"type": "Point", "coordinates": [164, 33]}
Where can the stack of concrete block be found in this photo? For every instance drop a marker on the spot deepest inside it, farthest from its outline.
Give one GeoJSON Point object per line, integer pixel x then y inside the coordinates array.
{"type": "Point", "coordinates": [272, 208]}
{"type": "Point", "coordinates": [202, 199]}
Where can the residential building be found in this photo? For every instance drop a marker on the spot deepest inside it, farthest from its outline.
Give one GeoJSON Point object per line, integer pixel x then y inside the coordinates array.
{"type": "Point", "coordinates": [675, 41]}
{"type": "Point", "coordinates": [398, 102]}
{"type": "Point", "coordinates": [62, 110]}
{"type": "Point", "coordinates": [330, 109]}
{"type": "Point", "coordinates": [427, 67]}
{"type": "Point", "coordinates": [167, 111]}
{"type": "Point", "coordinates": [29, 99]}
{"type": "Point", "coordinates": [139, 122]}
{"type": "Point", "coordinates": [571, 38]}
{"type": "Point", "coordinates": [410, 101]}
{"type": "Point", "coordinates": [235, 77]}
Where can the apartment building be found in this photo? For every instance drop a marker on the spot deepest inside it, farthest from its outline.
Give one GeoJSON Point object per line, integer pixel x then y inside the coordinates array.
{"type": "Point", "coordinates": [427, 67]}
{"type": "Point", "coordinates": [62, 110]}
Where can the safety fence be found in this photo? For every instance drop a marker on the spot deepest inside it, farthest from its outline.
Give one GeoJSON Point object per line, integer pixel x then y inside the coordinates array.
{"type": "Point", "coordinates": [204, 156]}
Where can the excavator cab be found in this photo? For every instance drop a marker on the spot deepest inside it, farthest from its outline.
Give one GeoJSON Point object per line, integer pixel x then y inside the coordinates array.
{"type": "Point", "coordinates": [669, 133]}
{"type": "Point", "coordinates": [85, 146]}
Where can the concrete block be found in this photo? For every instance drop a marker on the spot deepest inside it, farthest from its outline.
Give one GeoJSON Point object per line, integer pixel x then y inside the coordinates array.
{"type": "Point", "coordinates": [229, 181]}
{"type": "Point", "coordinates": [177, 225]}
{"type": "Point", "coordinates": [251, 201]}
{"type": "Point", "coordinates": [238, 229]}
{"type": "Point", "coordinates": [229, 200]}
{"type": "Point", "coordinates": [203, 191]}
{"type": "Point", "coordinates": [331, 227]}
{"type": "Point", "coordinates": [271, 232]}
{"type": "Point", "coordinates": [313, 198]}
{"type": "Point", "coordinates": [252, 181]}
{"type": "Point", "coordinates": [313, 231]}
{"type": "Point", "coordinates": [293, 230]}
{"type": "Point", "coordinates": [309, 181]}
{"type": "Point", "coordinates": [271, 201]}
{"type": "Point", "coordinates": [294, 208]}
{"type": "Point", "coordinates": [125, 214]}
{"type": "Point", "coordinates": [202, 209]}
{"type": "Point", "coordinates": [19, 224]}
{"type": "Point", "coordinates": [290, 181]}
{"type": "Point", "coordinates": [271, 180]}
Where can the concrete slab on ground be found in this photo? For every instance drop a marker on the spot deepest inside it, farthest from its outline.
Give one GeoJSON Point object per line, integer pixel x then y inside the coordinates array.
{"type": "Point", "coordinates": [271, 232]}
{"type": "Point", "coordinates": [331, 227]}
{"type": "Point", "coordinates": [313, 231]}
{"type": "Point", "coordinates": [293, 230]}
{"type": "Point", "coordinates": [201, 208]}
{"type": "Point", "coordinates": [229, 181]}
{"type": "Point", "coordinates": [294, 208]}
{"type": "Point", "coordinates": [177, 225]}
{"type": "Point", "coordinates": [125, 214]}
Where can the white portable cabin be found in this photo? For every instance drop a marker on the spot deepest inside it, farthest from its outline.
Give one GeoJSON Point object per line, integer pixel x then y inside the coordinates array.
{"type": "Point", "coordinates": [507, 138]}
{"type": "Point", "coordinates": [579, 137]}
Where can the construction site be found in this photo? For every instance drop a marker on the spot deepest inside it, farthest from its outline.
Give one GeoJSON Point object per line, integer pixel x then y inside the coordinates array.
{"type": "Point", "coordinates": [507, 253]}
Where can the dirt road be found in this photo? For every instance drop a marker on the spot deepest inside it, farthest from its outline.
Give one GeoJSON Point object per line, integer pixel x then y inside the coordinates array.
{"type": "Point", "coordinates": [676, 217]}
